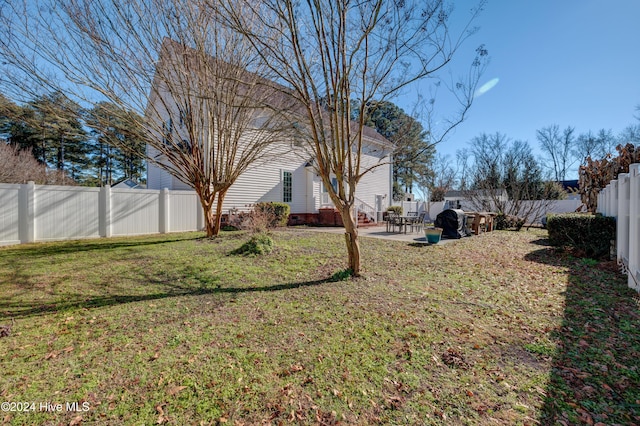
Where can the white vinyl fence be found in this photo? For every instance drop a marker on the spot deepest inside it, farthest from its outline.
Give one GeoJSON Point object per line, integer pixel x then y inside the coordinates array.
{"type": "Point", "coordinates": [621, 199]}
{"type": "Point", "coordinates": [30, 212]}
{"type": "Point", "coordinates": [552, 206]}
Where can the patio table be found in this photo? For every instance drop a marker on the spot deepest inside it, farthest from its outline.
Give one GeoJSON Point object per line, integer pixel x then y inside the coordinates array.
{"type": "Point", "coordinates": [404, 221]}
{"type": "Point", "coordinates": [478, 219]}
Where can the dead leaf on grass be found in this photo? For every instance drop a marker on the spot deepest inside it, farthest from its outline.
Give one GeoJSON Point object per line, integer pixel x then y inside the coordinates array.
{"type": "Point", "coordinates": [173, 390]}
{"type": "Point", "coordinates": [295, 368]}
{"type": "Point", "coordinates": [454, 358]}
{"type": "Point", "coordinates": [51, 355]}
{"type": "Point", "coordinates": [76, 421]}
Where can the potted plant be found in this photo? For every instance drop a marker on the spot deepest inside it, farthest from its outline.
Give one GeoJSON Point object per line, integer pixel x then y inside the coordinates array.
{"type": "Point", "coordinates": [432, 234]}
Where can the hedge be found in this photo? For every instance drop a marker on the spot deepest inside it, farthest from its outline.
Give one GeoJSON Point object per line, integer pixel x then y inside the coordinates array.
{"type": "Point", "coordinates": [591, 234]}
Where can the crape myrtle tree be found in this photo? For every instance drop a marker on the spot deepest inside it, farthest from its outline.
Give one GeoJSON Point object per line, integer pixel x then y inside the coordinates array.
{"type": "Point", "coordinates": [329, 52]}
{"type": "Point", "coordinates": [194, 86]}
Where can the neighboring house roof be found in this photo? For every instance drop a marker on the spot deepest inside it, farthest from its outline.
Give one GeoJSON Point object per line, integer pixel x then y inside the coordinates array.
{"type": "Point", "coordinates": [570, 185]}
{"type": "Point", "coordinates": [461, 195]}
{"type": "Point", "coordinates": [128, 183]}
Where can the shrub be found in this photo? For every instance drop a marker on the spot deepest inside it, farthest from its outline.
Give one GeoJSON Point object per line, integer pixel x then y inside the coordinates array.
{"type": "Point", "coordinates": [395, 209]}
{"type": "Point", "coordinates": [265, 216]}
{"type": "Point", "coordinates": [507, 222]}
{"type": "Point", "coordinates": [341, 275]}
{"type": "Point", "coordinates": [278, 212]}
{"type": "Point", "coordinates": [258, 245]}
{"type": "Point", "coordinates": [588, 233]}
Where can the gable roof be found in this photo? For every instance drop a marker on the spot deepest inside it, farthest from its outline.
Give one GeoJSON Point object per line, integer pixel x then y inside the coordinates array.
{"type": "Point", "coordinates": [279, 97]}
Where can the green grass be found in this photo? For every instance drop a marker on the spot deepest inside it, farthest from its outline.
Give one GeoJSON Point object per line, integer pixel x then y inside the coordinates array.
{"type": "Point", "coordinates": [494, 329]}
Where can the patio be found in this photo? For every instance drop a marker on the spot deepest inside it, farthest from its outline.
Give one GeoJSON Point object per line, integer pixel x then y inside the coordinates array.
{"type": "Point", "coordinates": [382, 233]}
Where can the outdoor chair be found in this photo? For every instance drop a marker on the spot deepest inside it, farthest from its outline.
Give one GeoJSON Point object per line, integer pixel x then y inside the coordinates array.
{"type": "Point", "coordinates": [413, 220]}
{"type": "Point", "coordinates": [420, 222]}
{"type": "Point", "coordinates": [393, 219]}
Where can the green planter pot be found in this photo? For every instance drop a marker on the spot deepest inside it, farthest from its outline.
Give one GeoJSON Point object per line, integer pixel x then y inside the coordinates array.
{"type": "Point", "coordinates": [433, 235]}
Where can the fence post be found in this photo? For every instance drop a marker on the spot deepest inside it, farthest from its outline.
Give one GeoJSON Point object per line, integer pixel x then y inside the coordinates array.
{"type": "Point", "coordinates": [105, 211]}
{"type": "Point", "coordinates": [633, 279]}
{"type": "Point", "coordinates": [164, 210]}
{"type": "Point", "coordinates": [27, 212]}
{"type": "Point", "coordinates": [622, 219]}
{"type": "Point", "coordinates": [614, 197]}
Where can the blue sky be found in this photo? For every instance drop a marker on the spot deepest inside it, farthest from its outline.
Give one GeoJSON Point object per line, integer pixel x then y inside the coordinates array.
{"type": "Point", "coordinates": [566, 62]}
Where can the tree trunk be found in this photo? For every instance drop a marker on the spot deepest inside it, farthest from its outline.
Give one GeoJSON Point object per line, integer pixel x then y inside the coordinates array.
{"type": "Point", "coordinates": [218, 217]}
{"type": "Point", "coordinates": [351, 238]}
{"type": "Point", "coordinates": [209, 219]}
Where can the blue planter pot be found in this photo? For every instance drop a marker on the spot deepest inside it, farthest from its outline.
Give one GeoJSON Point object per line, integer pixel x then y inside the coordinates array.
{"type": "Point", "coordinates": [433, 235]}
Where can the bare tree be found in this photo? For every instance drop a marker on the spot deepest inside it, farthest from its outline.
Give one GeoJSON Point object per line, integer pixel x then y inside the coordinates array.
{"type": "Point", "coordinates": [20, 166]}
{"type": "Point", "coordinates": [559, 148]}
{"type": "Point", "coordinates": [630, 134]}
{"type": "Point", "coordinates": [203, 95]}
{"type": "Point", "coordinates": [597, 145]}
{"type": "Point", "coordinates": [328, 52]}
{"type": "Point", "coordinates": [442, 178]}
{"type": "Point", "coordinates": [506, 178]}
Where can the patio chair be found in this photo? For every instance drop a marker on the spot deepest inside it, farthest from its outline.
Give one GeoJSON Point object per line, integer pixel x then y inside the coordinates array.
{"type": "Point", "coordinates": [413, 220]}
{"type": "Point", "coordinates": [419, 223]}
{"type": "Point", "coordinates": [393, 219]}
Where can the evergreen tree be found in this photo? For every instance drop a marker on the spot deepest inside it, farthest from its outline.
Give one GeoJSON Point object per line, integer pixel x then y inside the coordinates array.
{"type": "Point", "coordinates": [117, 148]}
{"type": "Point", "coordinates": [52, 129]}
{"type": "Point", "coordinates": [413, 154]}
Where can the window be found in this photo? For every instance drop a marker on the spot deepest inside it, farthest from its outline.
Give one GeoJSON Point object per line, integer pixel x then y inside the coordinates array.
{"type": "Point", "coordinates": [334, 184]}
{"type": "Point", "coordinates": [287, 187]}
{"type": "Point", "coordinates": [167, 129]}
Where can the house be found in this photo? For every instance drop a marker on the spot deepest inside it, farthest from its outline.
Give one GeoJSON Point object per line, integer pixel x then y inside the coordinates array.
{"type": "Point", "coordinates": [572, 188]}
{"type": "Point", "coordinates": [287, 177]}
{"type": "Point", "coordinates": [463, 199]}
{"type": "Point", "coordinates": [128, 183]}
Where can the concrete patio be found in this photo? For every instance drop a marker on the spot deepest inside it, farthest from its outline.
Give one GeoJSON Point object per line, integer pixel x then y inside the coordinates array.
{"type": "Point", "coordinates": [381, 232]}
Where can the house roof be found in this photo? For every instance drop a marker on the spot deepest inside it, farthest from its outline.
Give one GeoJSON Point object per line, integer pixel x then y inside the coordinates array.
{"type": "Point", "coordinates": [279, 97]}
{"type": "Point", "coordinates": [570, 185]}
{"type": "Point", "coordinates": [459, 195]}
{"type": "Point", "coordinates": [128, 183]}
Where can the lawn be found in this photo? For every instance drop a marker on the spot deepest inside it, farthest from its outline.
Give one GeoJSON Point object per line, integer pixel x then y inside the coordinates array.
{"type": "Point", "coordinates": [495, 329]}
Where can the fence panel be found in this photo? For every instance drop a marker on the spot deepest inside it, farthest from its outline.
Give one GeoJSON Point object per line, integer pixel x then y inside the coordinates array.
{"type": "Point", "coordinates": [184, 207]}
{"type": "Point", "coordinates": [634, 227]}
{"type": "Point", "coordinates": [622, 218]}
{"type": "Point", "coordinates": [65, 212]}
{"type": "Point", "coordinates": [135, 212]}
{"type": "Point", "coordinates": [9, 214]}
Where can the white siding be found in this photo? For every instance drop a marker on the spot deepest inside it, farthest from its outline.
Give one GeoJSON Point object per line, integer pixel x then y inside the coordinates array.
{"type": "Point", "coordinates": [66, 212]}
{"type": "Point", "coordinates": [376, 182]}
{"type": "Point", "coordinates": [263, 182]}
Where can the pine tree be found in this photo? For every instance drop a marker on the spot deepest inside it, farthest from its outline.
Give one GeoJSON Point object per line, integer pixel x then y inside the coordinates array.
{"type": "Point", "coordinates": [117, 148]}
